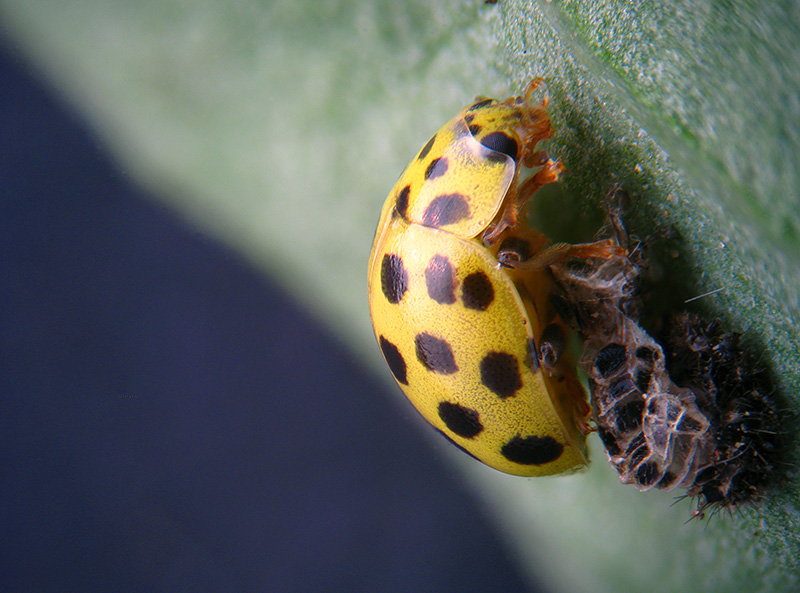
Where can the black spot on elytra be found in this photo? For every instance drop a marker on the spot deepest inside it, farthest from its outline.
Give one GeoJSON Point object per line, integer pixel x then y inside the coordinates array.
{"type": "Point", "coordinates": [446, 209]}
{"type": "Point", "coordinates": [500, 373]}
{"type": "Point", "coordinates": [460, 420]}
{"type": "Point", "coordinates": [477, 291]}
{"type": "Point", "coordinates": [474, 129]}
{"type": "Point", "coordinates": [394, 278]}
{"type": "Point", "coordinates": [435, 354]}
{"type": "Point", "coordinates": [436, 168]}
{"type": "Point", "coordinates": [502, 143]}
{"type": "Point", "coordinates": [532, 450]}
{"type": "Point", "coordinates": [440, 279]}
{"type": "Point", "coordinates": [609, 359]}
{"type": "Point", "coordinates": [553, 340]}
{"type": "Point", "coordinates": [401, 202]}
{"type": "Point", "coordinates": [427, 148]}
{"type": "Point", "coordinates": [480, 104]}
{"type": "Point", "coordinates": [395, 360]}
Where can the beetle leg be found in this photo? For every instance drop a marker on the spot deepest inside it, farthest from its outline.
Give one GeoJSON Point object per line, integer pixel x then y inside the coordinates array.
{"type": "Point", "coordinates": [557, 252]}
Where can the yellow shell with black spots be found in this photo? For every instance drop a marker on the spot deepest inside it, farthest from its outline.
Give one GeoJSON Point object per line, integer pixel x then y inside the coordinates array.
{"type": "Point", "coordinates": [478, 348]}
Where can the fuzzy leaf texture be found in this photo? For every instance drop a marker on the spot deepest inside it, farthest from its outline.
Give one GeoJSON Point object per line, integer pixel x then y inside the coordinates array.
{"type": "Point", "coordinates": [280, 127]}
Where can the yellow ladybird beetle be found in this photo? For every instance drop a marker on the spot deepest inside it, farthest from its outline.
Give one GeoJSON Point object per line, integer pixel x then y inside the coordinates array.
{"type": "Point", "coordinates": [462, 302]}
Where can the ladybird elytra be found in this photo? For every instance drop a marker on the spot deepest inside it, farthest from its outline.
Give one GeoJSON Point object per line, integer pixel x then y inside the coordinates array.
{"type": "Point", "coordinates": [477, 357]}
{"type": "Point", "coordinates": [461, 333]}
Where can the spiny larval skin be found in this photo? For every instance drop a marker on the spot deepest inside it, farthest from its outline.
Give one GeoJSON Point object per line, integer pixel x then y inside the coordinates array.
{"type": "Point", "coordinates": [693, 411]}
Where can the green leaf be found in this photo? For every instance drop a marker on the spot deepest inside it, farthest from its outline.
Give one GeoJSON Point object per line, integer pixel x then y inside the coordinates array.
{"type": "Point", "coordinates": [280, 127]}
